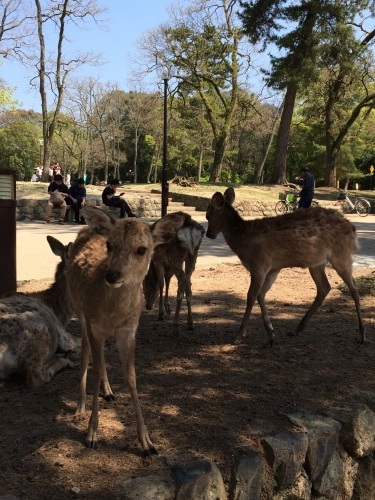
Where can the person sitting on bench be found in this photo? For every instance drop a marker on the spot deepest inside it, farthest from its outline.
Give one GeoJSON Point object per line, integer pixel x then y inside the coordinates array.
{"type": "Point", "coordinates": [57, 191]}
{"type": "Point", "coordinates": [110, 199]}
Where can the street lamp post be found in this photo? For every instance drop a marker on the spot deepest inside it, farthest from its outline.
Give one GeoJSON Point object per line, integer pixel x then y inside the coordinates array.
{"type": "Point", "coordinates": [164, 172]}
{"type": "Point", "coordinates": [164, 72]}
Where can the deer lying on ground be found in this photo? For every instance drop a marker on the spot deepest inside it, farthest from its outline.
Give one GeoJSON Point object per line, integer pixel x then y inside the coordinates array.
{"type": "Point", "coordinates": [309, 238]}
{"type": "Point", "coordinates": [177, 258]}
{"type": "Point", "coordinates": [108, 263]}
{"type": "Point", "coordinates": [32, 328]}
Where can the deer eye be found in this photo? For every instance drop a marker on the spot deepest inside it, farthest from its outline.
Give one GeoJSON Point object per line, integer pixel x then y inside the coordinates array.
{"type": "Point", "coordinates": [141, 250]}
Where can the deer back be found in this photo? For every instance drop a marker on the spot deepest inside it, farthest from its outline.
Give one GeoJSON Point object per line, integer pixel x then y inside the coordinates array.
{"type": "Point", "coordinates": [304, 238]}
{"type": "Point", "coordinates": [181, 250]}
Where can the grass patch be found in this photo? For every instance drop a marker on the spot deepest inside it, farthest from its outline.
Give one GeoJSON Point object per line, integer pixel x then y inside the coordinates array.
{"type": "Point", "coordinates": [365, 285]}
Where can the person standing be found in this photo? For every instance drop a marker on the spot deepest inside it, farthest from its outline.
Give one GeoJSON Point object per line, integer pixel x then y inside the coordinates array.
{"type": "Point", "coordinates": [307, 181]}
{"type": "Point", "coordinates": [58, 192]}
{"type": "Point", "coordinates": [77, 198]}
{"type": "Point", "coordinates": [110, 199]}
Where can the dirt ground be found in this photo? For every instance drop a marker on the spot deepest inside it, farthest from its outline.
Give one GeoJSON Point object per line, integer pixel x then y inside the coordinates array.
{"type": "Point", "coordinates": [202, 396]}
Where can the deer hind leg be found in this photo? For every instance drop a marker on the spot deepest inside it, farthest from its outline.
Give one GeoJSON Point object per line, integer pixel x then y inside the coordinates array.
{"type": "Point", "coordinates": [167, 305]}
{"type": "Point", "coordinates": [268, 282]}
{"type": "Point", "coordinates": [37, 376]}
{"type": "Point", "coordinates": [107, 390]}
{"type": "Point", "coordinates": [58, 364]}
{"type": "Point", "coordinates": [126, 348]}
{"type": "Point", "coordinates": [189, 296]}
{"type": "Point", "coordinates": [182, 285]}
{"type": "Point", "coordinates": [345, 273]}
{"type": "Point", "coordinates": [256, 284]}
{"type": "Point", "coordinates": [85, 354]}
{"type": "Point", "coordinates": [323, 288]}
{"type": "Point", "coordinates": [160, 275]}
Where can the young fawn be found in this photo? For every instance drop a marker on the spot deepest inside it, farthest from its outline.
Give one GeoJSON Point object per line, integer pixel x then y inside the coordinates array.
{"type": "Point", "coordinates": [108, 263]}
{"type": "Point", "coordinates": [309, 238]}
{"type": "Point", "coordinates": [177, 258]}
{"type": "Point", "coordinates": [32, 328]}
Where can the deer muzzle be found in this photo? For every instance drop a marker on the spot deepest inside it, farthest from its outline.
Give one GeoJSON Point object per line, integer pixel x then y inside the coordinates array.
{"type": "Point", "coordinates": [113, 279]}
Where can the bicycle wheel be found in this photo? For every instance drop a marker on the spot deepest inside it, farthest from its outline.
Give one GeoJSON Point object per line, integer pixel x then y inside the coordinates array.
{"type": "Point", "coordinates": [345, 207]}
{"type": "Point", "coordinates": [280, 207]}
{"type": "Point", "coordinates": [362, 207]}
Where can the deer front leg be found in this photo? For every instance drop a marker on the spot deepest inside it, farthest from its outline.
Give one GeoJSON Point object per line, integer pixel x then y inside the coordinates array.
{"type": "Point", "coordinates": [126, 347]}
{"type": "Point", "coordinates": [256, 284]}
{"type": "Point", "coordinates": [323, 287]}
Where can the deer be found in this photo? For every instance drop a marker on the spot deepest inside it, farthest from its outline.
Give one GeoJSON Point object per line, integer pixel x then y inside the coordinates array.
{"type": "Point", "coordinates": [308, 238]}
{"type": "Point", "coordinates": [177, 258]}
{"type": "Point", "coordinates": [32, 328]}
{"type": "Point", "coordinates": [108, 262]}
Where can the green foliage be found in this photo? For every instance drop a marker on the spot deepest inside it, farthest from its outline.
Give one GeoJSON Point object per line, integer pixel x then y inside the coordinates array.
{"type": "Point", "coordinates": [19, 148]}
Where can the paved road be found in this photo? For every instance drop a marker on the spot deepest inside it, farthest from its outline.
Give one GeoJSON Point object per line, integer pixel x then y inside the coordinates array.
{"type": "Point", "coordinates": [36, 261]}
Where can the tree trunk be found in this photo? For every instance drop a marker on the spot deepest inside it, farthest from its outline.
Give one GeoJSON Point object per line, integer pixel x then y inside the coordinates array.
{"type": "Point", "coordinates": [217, 165]}
{"type": "Point", "coordinates": [200, 161]}
{"type": "Point", "coordinates": [279, 173]}
{"type": "Point", "coordinates": [259, 174]}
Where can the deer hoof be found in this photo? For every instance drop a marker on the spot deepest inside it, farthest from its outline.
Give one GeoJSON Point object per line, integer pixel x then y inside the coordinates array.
{"type": "Point", "coordinates": [109, 397]}
{"type": "Point", "coordinates": [150, 451]}
{"type": "Point", "coordinates": [91, 444]}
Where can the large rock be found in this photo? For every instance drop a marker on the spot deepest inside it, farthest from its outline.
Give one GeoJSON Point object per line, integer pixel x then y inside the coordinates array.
{"type": "Point", "coordinates": [358, 429]}
{"type": "Point", "coordinates": [148, 488]}
{"type": "Point", "coordinates": [247, 477]}
{"type": "Point", "coordinates": [337, 480]}
{"type": "Point", "coordinates": [323, 433]}
{"type": "Point", "coordinates": [286, 454]}
{"type": "Point", "coordinates": [198, 480]}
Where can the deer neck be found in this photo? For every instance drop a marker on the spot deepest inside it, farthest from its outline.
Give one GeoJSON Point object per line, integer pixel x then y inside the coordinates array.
{"type": "Point", "coordinates": [233, 227]}
{"type": "Point", "coordinates": [57, 298]}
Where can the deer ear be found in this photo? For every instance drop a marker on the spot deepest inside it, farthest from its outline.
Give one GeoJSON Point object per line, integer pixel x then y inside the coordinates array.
{"type": "Point", "coordinates": [165, 228]}
{"type": "Point", "coordinates": [229, 195]}
{"type": "Point", "coordinates": [217, 200]}
{"type": "Point", "coordinates": [98, 219]}
{"type": "Point", "coordinates": [56, 246]}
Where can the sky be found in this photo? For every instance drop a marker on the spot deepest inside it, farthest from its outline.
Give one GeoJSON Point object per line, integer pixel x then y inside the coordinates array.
{"type": "Point", "coordinates": [127, 21]}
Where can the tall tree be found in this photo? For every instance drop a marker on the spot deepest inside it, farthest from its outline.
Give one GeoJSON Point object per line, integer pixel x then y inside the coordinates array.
{"type": "Point", "coordinates": [53, 71]}
{"type": "Point", "coordinates": [268, 22]}
{"type": "Point", "coordinates": [203, 43]}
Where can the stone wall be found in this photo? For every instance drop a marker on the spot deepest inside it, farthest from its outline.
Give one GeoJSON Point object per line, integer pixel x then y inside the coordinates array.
{"type": "Point", "coordinates": [150, 205]}
{"type": "Point", "coordinates": [323, 456]}
{"type": "Point", "coordinates": [34, 209]}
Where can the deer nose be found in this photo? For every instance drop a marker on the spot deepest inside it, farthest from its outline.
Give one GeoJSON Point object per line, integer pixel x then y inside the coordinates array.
{"type": "Point", "coordinates": [112, 277]}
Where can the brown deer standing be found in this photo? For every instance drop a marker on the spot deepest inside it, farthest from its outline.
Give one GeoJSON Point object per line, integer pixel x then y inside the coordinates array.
{"type": "Point", "coordinates": [177, 258]}
{"type": "Point", "coordinates": [108, 263]}
{"type": "Point", "coordinates": [305, 238]}
{"type": "Point", "coordinates": [32, 328]}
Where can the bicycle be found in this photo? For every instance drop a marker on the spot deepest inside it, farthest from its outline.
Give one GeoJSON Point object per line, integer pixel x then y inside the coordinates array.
{"type": "Point", "coordinates": [360, 205]}
{"type": "Point", "coordinates": [289, 202]}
